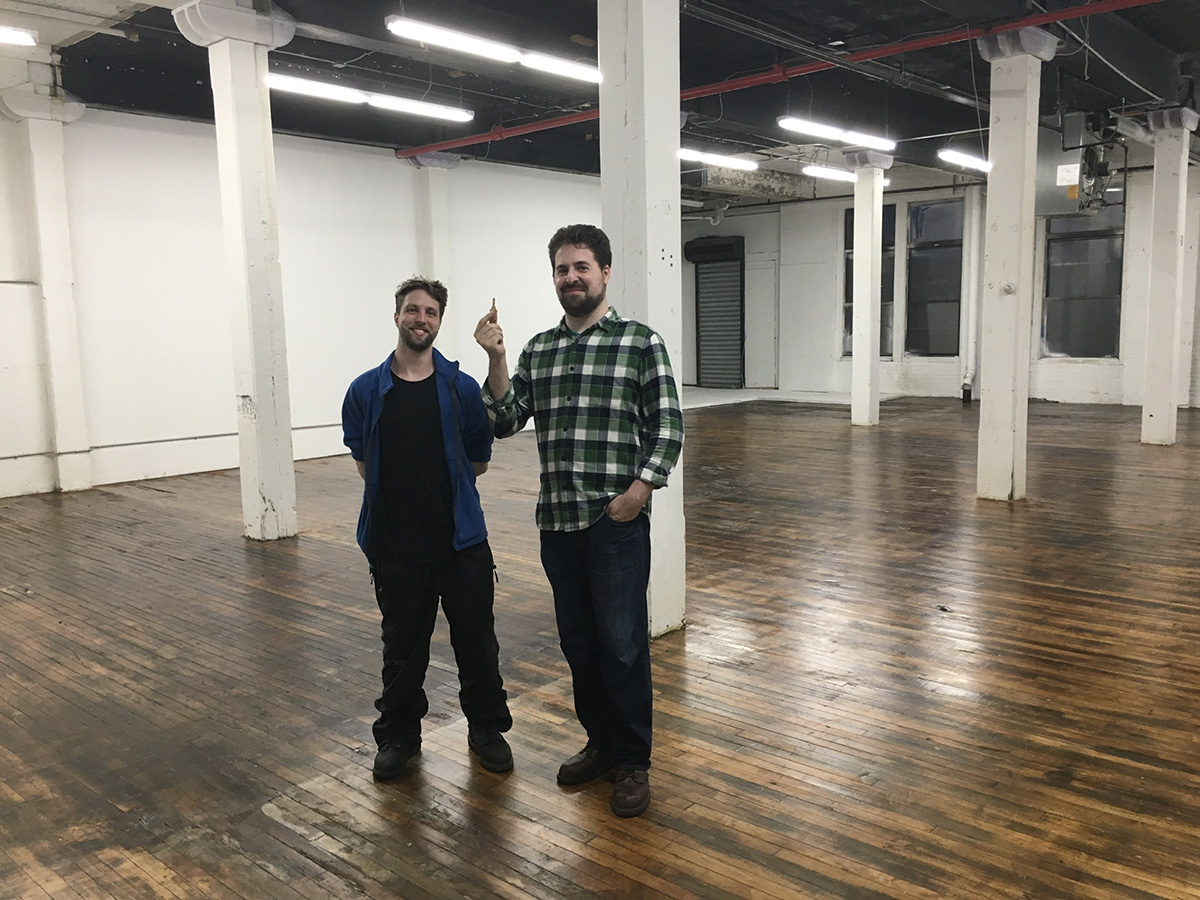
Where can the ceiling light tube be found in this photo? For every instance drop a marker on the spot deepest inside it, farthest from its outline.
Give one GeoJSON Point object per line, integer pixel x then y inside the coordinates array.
{"type": "Point", "coordinates": [829, 173]}
{"type": "Point", "coordinates": [557, 66]}
{"type": "Point", "coordinates": [833, 133]}
{"type": "Point", "coordinates": [451, 40]}
{"type": "Point", "coordinates": [835, 174]}
{"type": "Point", "coordinates": [325, 91]}
{"type": "Point", "coordinates": [310, 88]}
{"type": "Point", "coordinates": [965, 160]}
{"type": "Point", "coordinates": [17, 36]}
{"type": "Point", "coordinates": [715, 159]}
{"type": "Point", "coordinates": [420, 108]}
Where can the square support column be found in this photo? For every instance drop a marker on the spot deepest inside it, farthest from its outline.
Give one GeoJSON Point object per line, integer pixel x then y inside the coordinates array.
{"type": "Point", "coordinates": [869, 167]}
{"type": "Point", "coordinates": [1160, 393]}
{"type": "Point", "coordinates": [237, 38]}
{"type": "Point", "coordinates": [42, 115]}
{"type": "Point", "coordinates": [1007, 299]}
{"type": "Point", "coordinates": [639, 186]}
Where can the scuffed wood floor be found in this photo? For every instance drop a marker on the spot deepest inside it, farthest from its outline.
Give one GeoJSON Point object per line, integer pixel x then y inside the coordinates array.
{"type": "Point", "coordinates": [887, 689]}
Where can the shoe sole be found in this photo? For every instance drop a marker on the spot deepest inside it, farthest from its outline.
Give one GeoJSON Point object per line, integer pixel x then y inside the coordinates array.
{"type": "Point", "coordinates": [633, 812]}
{"type": "Point", "coordinates": [606, 774]}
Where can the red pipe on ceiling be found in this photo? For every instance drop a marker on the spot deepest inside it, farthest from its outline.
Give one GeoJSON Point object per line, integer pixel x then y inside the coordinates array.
{"type": "Point", "coordinates": [784, 73]}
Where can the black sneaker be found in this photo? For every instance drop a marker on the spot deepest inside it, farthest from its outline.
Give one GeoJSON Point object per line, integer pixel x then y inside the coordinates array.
{"type": "Point", "coordinates": [393, 758]}
{"type": "Point", "coordinates": [490, 746]}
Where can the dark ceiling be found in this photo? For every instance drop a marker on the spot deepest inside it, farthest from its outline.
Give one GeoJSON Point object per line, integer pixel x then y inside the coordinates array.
{"type": "Point", "coordinates": [1131, 60]}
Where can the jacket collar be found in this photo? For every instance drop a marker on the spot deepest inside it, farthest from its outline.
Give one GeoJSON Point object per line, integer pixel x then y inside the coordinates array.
{"type": "Point", "coordinates": [446, 368]}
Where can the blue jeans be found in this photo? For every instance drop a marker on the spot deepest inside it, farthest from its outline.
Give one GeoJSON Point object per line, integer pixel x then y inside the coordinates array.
{"type": "Point", "coordinates": [599, 577]}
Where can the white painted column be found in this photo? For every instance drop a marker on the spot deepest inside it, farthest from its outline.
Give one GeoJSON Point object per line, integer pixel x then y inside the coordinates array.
{"type": "Point", "coordinates": [433, 223]}
{"type": "Point", "coordinates": [639, 186]}
{"type": "Point", "coordinates": [42, 114]}
{"type": "Point", "coordinates": [868, 167]}
{"type": "Point", "coordinates": [1172, 139]}
{"type": "Point", "coordinates": [1007, 299]}
{"type": "Point", "coordinates": [237, 39]}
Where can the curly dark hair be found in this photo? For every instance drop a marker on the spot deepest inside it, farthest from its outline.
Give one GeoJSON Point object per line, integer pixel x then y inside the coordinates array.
{"type": "Point", "coordinates": [434, 289]}
{"type": "Point", "coordinates": [583, 236]}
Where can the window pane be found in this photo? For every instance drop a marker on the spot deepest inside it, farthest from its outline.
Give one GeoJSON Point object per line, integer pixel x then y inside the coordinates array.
{"type": "Point", "coordinates": [1082, 328]}
{"type": "Point", "coordinates": [1108, 219]}
{"type": "Point", "coordinates": [848, 330]}
{"type": "Point", "coordinates": [1084, 267]}
{"type": "Point", "coordinates": [934, 283]}
{"type": "Point", "coordinates": [889, 227]}
{"type": "Point", "coordinates": [848, 305]}
{"type": "Point", "coordinates": [934, 273]}
{"type": "Point", "coordinates": [887, 290]}
{"type": "Point", "coordinates": [929, 222]}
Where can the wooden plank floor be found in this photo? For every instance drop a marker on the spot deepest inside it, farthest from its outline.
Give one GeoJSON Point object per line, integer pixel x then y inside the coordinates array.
{"type": "Point", "coordinates": [888, 689]}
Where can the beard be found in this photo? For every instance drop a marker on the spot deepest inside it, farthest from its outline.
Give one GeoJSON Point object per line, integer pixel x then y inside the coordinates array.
{"type": "Point", "coordinates": [414, 342]}
{"type": "Point", "coordinates": [580, 306]}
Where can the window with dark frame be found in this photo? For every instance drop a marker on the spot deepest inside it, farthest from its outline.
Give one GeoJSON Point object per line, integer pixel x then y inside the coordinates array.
{"type": "Point", "coordinates": [887, 287]}
{"type": "Point", "coordinates": [934, 294]}
{"type": "Point", "coordinates": [1081, 303]}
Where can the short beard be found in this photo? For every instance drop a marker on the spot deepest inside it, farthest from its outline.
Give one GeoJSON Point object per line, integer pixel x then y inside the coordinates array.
{"type": "Point", "coordinates": [582, 307]}
{"type": "Point", "coordinates": [413, 343]}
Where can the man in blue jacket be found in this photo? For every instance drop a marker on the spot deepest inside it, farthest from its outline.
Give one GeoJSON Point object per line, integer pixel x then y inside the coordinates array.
{"type": "Point", "coordinates": [417, 429]}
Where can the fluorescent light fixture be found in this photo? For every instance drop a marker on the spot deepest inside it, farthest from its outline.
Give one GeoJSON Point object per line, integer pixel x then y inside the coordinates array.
{"type": "Point", "coordinates": [18, 36]}
{"type": "Point", "coordinates": [342, 94]}
{"type": "Point", "coordinates": [477, 46]}
{"type": "Point", "coordinates": [451, 40]}
{"type": "Point", "coordinates": [831, 174]}
{"type": "Point", "coordinates": [833, 133]}
{"type": "Point", "coordinates": [965, 160]}
{"type": "Point", "coordinates": [420, 108]}
{"type": "Point", "coordinates": [835, 174]}
{"type": "Point", "coordinates": [308, 88]}
{"type": "Point", "coordinates": [557, 66]}
{"type": "Point", "coordinates": [715, 159]}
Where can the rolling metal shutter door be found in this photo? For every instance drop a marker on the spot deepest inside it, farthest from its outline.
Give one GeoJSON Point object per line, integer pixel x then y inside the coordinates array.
{"type": "Point", "coordinates": [719, 324]}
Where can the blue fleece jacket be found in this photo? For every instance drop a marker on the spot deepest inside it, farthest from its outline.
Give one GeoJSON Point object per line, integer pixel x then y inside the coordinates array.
{"type": "Point", "coordinates": [465, 432]}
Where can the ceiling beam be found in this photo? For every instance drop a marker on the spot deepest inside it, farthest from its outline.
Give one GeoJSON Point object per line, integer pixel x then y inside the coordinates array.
{"type": "Point", "coordinates": [740, 23]}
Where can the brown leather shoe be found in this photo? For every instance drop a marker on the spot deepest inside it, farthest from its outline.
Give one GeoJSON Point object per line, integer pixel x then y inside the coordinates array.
{"type": "Point", "coordinates": [585, 765]}
{"type": "Point", "coordinates": [631, 793]}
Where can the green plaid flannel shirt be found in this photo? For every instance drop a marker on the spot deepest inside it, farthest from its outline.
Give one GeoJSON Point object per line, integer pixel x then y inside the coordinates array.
{"type": "Point", "coordinates": [605, 410]}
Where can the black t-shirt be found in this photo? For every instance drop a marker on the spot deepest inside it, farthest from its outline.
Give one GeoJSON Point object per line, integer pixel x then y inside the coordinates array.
{"type": "Point", "coordinates": [413, 515]}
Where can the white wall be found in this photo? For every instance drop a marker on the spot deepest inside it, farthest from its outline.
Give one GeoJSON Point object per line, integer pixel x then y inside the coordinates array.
{"type": "Point", "coordinates": [502, 219]}
{"type": "Point", "coordinates": [809, 304]}
{"type": "Point", "coordinates": [347, 239]}
{"type": "Point", "coordinates": [154, 322]}
{"type": "Point", "coordinates": [761, 232]}
{"type": "Point", "coordinates": [810, 248]}
{"type": "Point", "coordinates": [154, 328]}
{"type": "Point", "coordinates": [803, 242]}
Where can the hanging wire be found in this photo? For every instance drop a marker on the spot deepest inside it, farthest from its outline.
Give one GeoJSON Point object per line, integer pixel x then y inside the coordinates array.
{"type": "Point", "coordinates": [975, 89]}
{"type": "Point", "coordinates": [1091, 51]}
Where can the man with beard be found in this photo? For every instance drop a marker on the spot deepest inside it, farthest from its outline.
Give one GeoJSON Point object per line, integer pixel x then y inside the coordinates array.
{"type": "Point", "coordinates": [609, 430]}
{"type": "Point", "coordinates": [417, 429]}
